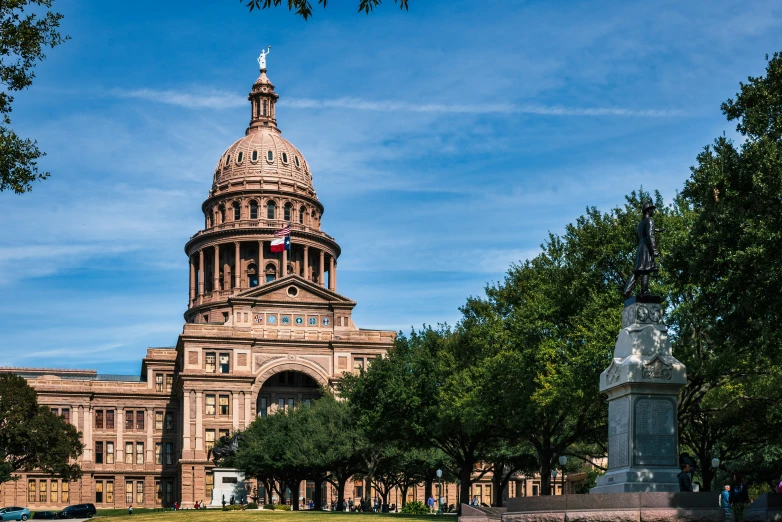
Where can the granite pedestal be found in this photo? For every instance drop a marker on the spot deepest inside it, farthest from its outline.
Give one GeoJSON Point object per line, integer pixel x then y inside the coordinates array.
{"type": "Point", "coordinates": [228, 482]}
{"type": "Point", "coordinates": [642, 384]}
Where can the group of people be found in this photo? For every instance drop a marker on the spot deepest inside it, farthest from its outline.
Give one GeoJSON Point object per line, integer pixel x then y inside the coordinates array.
{"type": "Point", "coordinates": [362, 505]}
{"type": "Point", "coordinates": [731, 495]}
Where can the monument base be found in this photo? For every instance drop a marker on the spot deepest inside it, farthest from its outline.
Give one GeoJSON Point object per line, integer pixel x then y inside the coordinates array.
{"type": "Point", "coordinates": [638, 481]}
{"type": "Point", "coordinates": [228, 482]}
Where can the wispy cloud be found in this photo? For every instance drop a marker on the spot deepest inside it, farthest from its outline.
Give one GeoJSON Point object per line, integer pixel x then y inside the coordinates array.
{"type": "Point", "coordinates": [213, 99]}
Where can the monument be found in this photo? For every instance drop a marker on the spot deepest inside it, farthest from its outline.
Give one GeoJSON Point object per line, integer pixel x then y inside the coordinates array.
{"type": "Point", "coordinates": [228, 482]}
{"type": "Point", "coordinates": [642, 384]}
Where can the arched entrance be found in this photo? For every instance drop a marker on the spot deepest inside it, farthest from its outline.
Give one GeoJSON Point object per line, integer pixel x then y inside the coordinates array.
{"type": "Point", "coordinates": [286, 389]}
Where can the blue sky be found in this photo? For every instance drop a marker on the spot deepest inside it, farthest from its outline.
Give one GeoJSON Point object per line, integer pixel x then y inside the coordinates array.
{"type": "Point", "coordinates": [445, 143]}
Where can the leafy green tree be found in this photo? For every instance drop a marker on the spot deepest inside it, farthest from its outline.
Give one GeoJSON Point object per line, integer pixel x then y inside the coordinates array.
{"type": "Point", "coordinates": [32, 437]}
{"type": "Point", "coordinates": [26, 28]}
{"type": "Point", "coordinates": [303, 8]}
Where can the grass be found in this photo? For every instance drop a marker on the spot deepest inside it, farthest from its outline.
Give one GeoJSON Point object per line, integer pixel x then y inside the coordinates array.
{"type": "Point", "coordinates": [210, 515]}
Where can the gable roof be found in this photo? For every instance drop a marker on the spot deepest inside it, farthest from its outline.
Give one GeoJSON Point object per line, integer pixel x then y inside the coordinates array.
{"type": "Point", "coordinates": [305, 288]}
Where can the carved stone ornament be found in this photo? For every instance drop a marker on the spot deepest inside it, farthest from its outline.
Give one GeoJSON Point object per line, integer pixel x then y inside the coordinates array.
{"type": "Point", "coordinates": [642, 314]}
{"type": "Point", "coordinates": [657, 369]}
{"type": "Point", "coordinates": [612, 374]}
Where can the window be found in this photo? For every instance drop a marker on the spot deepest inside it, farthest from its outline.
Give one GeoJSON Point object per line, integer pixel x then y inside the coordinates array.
{"type": "Point", "coordinates": [98, 419]}
{"type": "Point", "coordinates": [210, 404]}
{"type": "Point", "coordinates": [169, 453]}
{"type": "Point", "coordinates": [224, 410]}
{"type": "Point", "coordinates": [139, 492]}
{"type": "Point", "coordinates": [98, 453]}
{"type": "Point", "coordinates": [128, 453]}
{"type": "Point", "coordinates": [109, 419]}
{"type": "Point", "coordinates": [210, 484]}
{"type": "Point", "coordinates": [139, 453]}
{"type": "Point", "coordinates": [98, 492]}
{"type": "Point", "coordinates": [270, 155]}
{"type": "Point", "coordinates": [296, 161]}
{"type": "Point", "coordinates": [264, 407]}
{"type": "Point", "coordinates": [159, 382]}
{"type": "Point", "coordinates": [31, 491]}
{"type": "Point", "coordinates": [287, 213]}
{"type": "Point", "coordinates": [281, 404]}
{"type": "Point", "coordinates": [65, 492]}
{"type": "Point", "coordinates": [255, 155]}
{"type": "Point", "coordinates": [42, 493]}
{"type": "Point", "coordinates": [53, 496]}
{"type": "Point", "coordinates": [210, 439]}
{"type": "Point", "coordinates": [301, 215]}
{"type": "Point", "coordinates": [227, 160]}
{"type": "Point", "coordinates": [169, 382]}
{"type": "Point", "coordinates": [169, 421]}
{"type": "Point", "coordinates": [210, 362]}
{"type": "Point", "coordinates": [224, 363]}
{"type": "Point", "coordinates": [239, 157]}
{"type": "Point", "coordinates": [170, 492]}
{"type": "Point", "coordinates": [253, 210]}
{"type": "Point", "coordinates": [140, 420]}
{"type": "Point", "coordinates": [129, 492]}
{"type": "Point", "coordinates": [158, 454]}
{"type": "Point", "coordinates": [270, 208]}
{"type": "Point", "coordinates": [237, 212]}
{"type": "Point", "coordinates": [290, 404]}
{"type": "Point", "coordinates": [222, 214]}
{"type": "Point", "coordinates": [358, 364]}
{"type": "Point", "coordinates": [109, 453]}
{"type": "Point", "coordinates": [159, 420]}
{"type": "Point", "coordinates": [264, 107]}
{"type": "Point", "coordinates": [66, 414]}
{"type": "Point", "coordinates": [158, 492]}
{"type": "Point", "coordinates": [285, 157]}
{"type": "Point", "coordinates": [271, 273]}
{"type": "Point", "coordinates": [128, 419]}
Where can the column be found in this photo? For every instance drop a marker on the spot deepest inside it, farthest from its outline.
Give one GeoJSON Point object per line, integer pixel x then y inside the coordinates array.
{"type": "Point", "coordinates": [322, 273]}
{"type": "Point", "coordinates": [247, 414]}
{"type": "Point", "coordinates": [237, 265]}
{"type": "Point", "coordinates": [200, 275]}
{"type": "Point", "coordinates": [150, 445]}
{"type": "Point", "coordinates": [199, 420]}
{"type": "Point", "coordinates": [88, 433]}
{"type": "Point", "coordinates": [119, 451]}
{"type": "Point", "coordinates": [192, 281]}
{"type": "Point", "coordinates": [235, 412]}
{"type": "Point", "coordinates": [284, 268]}
{"type": "Point", "coordinates": [216, 283]}
{"type": "Point", "coordinates": [261, 268]}
{"type": "Point", "coordinates": [306, 262]}
{"type": "Point", "coordinates": [332, 275]}
{"type": "Point", "coordinates": [185, 422]}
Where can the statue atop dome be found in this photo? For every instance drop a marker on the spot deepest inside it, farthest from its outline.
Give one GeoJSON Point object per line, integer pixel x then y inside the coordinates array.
{"type": "Point", "coordinates": [262, 58]}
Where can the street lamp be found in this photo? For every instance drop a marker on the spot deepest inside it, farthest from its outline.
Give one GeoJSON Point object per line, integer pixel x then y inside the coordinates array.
{"type": "Point", "coordinates": [715, 464]}
{"type": "Point", "coordinates": [554, 476]}
{"type": "Point", "coordinates": [439, 473]}
{"type": "Point", "coordinates": [562, 462]}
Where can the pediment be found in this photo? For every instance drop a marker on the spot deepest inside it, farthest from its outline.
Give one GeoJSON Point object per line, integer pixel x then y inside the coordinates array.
{"type": "Point", "coordinates": [279, 291]}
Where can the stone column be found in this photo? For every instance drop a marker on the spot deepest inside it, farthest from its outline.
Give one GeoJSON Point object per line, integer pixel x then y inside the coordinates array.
{"type": "Point", "coordinates": [199, 421]}
{"type": "Point", "coordinates": [88, 433]}
{"type": "Point", "coordinates": [306, 262]}
{"type": "Point", "coordinates": [332, 275]}
{"type": "Point", "coordinates": [235, 412]}
{"type": "Point", "coordinates": [150, 445]}
{"type": "Point", "coordinates": [284, 267]}
{"type": "Point", "coordinates": [186, 422]}
{"type": "Point", "coordinates": [247, 414]}
{"type": "Point", "coordinates": [261, 268]}
{"type": "Point", "coordinates": [119, 451]}
{"type": "Point", "coordinates": [237, 265]}
{"type": "Point", "coordinates": [216, 275]}
{"type": "Point", "coordinates": [200, 275]}
{"type": "Point", "coordinates": [322, 273]}
{"type": "Point", "coordinates": [192, 281]}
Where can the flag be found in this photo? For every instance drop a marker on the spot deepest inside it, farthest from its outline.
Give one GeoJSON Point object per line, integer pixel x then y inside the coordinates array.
{"type": "Point", "coordinates": [283, 232]}
{"type": "Point", "coordinates": [281, 243]}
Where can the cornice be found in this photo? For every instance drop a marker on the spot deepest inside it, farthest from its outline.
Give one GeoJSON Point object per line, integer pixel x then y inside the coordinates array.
{"type": "Point", "coordinates": [247, 192]}
{"type": "Point", "coordinates": [320, 238]}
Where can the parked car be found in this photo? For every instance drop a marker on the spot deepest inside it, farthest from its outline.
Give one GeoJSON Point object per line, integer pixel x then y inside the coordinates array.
{"type": "Point", "coordinates": [14, 513]}
{"type": "Point", "coordinates": [46, 515]}
{"type": "Point", "coordinates": [78, 511]}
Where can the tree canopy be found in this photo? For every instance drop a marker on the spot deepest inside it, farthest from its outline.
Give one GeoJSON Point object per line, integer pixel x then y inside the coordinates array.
{"type": "Point", "coordinates": [32, 437]}
{"type": "Point", "coordinates": [303, 8]}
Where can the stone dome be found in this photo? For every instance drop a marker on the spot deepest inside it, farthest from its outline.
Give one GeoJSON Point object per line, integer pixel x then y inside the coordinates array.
{"type": "Point", "coordinates": [263, 152]}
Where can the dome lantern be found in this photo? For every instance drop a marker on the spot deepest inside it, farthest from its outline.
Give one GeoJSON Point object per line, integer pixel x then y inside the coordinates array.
{"type": "Point", "coordinates": [262, 101]}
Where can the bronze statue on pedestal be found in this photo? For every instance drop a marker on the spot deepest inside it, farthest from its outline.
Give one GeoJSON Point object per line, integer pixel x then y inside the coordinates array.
{"type": "Point", "coordinates": [647, 253]}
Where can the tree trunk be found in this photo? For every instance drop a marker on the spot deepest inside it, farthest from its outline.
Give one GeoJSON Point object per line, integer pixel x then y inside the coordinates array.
{"type": "Point", "coordinates": [465, 476]}
{"type": "Point", "coordinates": [545, 474]}
{"type": "Point", "coordinates": [707, 474]}
{"type": "Point", "coordinates": [317, 497]}
{"type": "Point", "coordinates": [341, 494]}
{"type": "Point", "coordinates": [403, 490]}
{"type": "Point", "coordinates": [497, 482]}
{"type": "Point", "coordinates": [294, 487]}
{"type": "Point", "coordinates": [428, 489]}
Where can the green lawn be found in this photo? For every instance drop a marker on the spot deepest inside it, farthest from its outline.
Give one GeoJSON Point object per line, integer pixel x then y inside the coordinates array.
{"type": "Point", "coordinates": [209, 515]}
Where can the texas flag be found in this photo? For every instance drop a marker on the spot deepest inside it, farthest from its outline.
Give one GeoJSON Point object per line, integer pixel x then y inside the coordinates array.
{"type": "Point", "coordinates": [281, 243]}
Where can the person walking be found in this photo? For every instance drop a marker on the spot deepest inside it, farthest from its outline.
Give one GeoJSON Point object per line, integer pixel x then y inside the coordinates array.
{"type": "Point", "coordinates": [430, 503]}
{"type": "Point", "coordinates": [725, 500]}
{"type": "Point", "coordinates": [685, 478]}
{"type": "Point", "coordinates": [130, 510]}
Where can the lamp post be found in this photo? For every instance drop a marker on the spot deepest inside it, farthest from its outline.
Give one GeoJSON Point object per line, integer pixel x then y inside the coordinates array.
{"type": "Point", "coordinates": [562, 462]}
{"type": "Point", "coordinates": [439, 492]}
{"type": "Point", "coordinates": [554, 477]}
{"type": "Point", "coordinates": [715, 464]}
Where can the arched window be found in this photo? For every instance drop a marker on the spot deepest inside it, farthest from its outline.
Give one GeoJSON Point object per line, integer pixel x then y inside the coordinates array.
{"type": "Point", "coordinates": [255, 155]}
{"type": "Point", "coordinates": [296, 161]}
{"type": "Point", "coordinates": [269, 155]}
{"type": "Point", "coordinates": [287, 213]}
{"type": "Point", "coordinates": [285, 157]}
{"type": "Point", "coordinates": [264, 107]}
{"type": "Point", "coordinates": [227, 159]}
{"type": "Point", "coordinates": [237, 212]}
{"type": "Point", "coordinates": [253, 210]}
{"type": "Point", "coordinates": [271, 273]}
{"type": "Point", "coordinates": [252, 275]}
{"type": "Point", "coordinates": [270, 208]}
{"type": "Point", "coordinates": [209, 220]}
{"type": "Point", "coordinates": [239, 157]}
{"type": "Point", "coordinates": [222, 214]}
{"type": "Point", "coordinates": [301, 215]}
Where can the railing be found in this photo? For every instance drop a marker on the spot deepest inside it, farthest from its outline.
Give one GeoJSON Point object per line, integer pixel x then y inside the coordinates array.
{"type": "Point", "coordinates": [257, 223]}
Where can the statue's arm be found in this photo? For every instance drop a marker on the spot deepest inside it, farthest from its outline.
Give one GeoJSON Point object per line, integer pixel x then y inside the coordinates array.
{"type": "Point", "coordinates": [652, 242]}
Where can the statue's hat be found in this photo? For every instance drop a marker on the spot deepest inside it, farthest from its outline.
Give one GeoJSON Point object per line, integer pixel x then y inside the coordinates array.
{"type": "Point", "coordinates": [647, 205]}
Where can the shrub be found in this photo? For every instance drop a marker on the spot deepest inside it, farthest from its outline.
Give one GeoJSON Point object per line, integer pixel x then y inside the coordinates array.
{"type": "Point", "coordinates": [252, 505]}
{"type": "Point", "coordinates": [268, 506]}
{"type": "Point", "coordinates": [415, 507]}
{"type": "Point", "coordinates": [283, 508]}
{"type": "Point", "coordinates": [235, 507]}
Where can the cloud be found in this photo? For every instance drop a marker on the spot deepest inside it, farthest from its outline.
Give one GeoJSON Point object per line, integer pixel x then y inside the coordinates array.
{"type": "Point", "coordinates": [208, 98]}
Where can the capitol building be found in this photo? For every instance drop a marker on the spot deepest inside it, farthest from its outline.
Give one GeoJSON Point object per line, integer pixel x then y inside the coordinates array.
{"type": "Point", "coordinates": [263, 331]}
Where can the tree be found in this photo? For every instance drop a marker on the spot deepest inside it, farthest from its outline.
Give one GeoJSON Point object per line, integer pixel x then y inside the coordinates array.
{"type": "Point", "coordinates": [303, 8]}
{"type": "Point", "coordinates": [23, 36]}
{"type": "Point", "coordinates": [32, 437]}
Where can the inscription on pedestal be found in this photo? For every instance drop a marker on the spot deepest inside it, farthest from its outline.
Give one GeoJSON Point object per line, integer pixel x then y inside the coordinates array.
{"type": "Point", "coordinates": [618, 416]}
{"type": "Point", "coordinates": [655, 440]}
